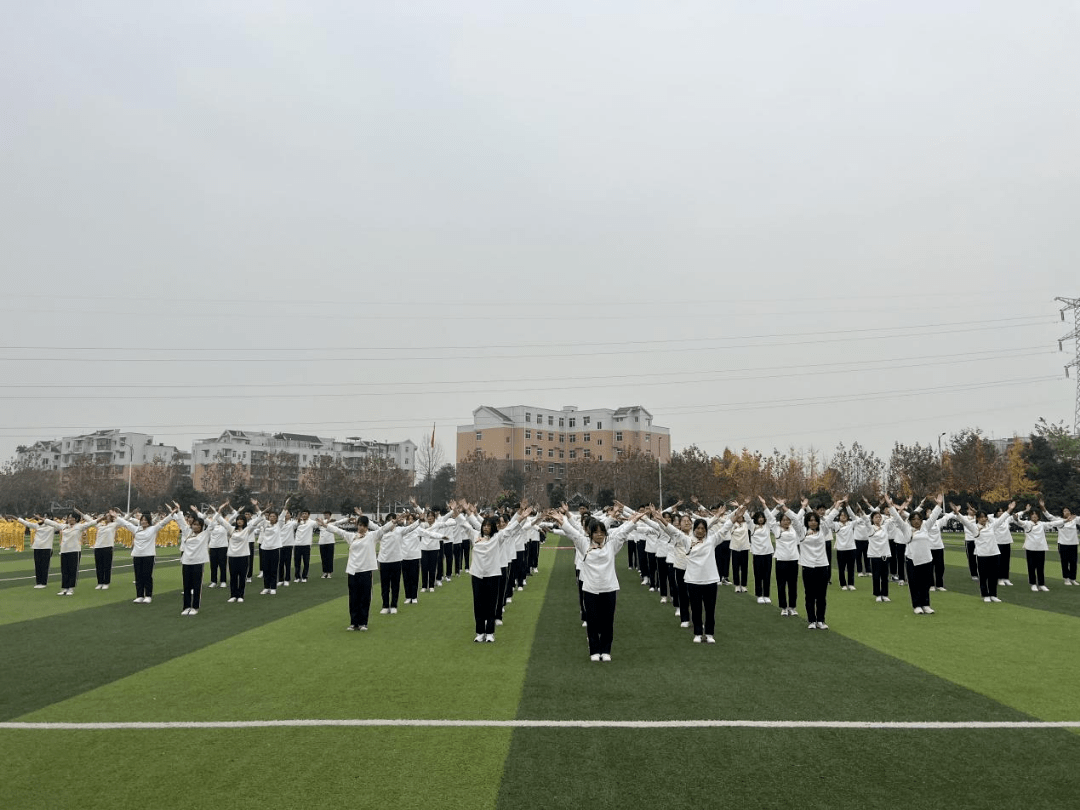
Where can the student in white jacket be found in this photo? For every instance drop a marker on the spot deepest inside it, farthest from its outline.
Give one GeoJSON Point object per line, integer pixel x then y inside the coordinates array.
{"type": "Point", "coordinates": [305, 530]}
{"type": "Point", "coordinates": [1035, 547]}
{"type": "Point", "coordinates": [986, 548]}
{"type": "Point", "coordinates": [361, 564]}
{"type": "Point", "coordinates": [1004, 538]}
{"type": "Point", "coordinates": [761, 549]}
{"type": "Point", "coordinates": [599, 582]}
{"type": "Point", "coordinates": [144, 551]}
{"type": "Point", "coordinates": [1066, 542]}
{"type": "Point", "coordinates": [738, 534]}
{"type": "Point", "coordinates": [194, 556]}
{"type": "Point", "coordinates": [787, 560]}
{"type": "Point", "coordinates": [489, 548]}
{"type": "Point", "coordinates": [71, 550]}
{"type": "Point", "coordinates": [918, 557]}
{"type": "Point", "coordinates": [815, 564]}
{"type": "Point", "coordinates": [326, 546]}
{"type": "Point", "coordinates": [288, 543]}
{"type": "Point", "coordinates": [104, 543]}
{"type": "Point", "coordinates": [42, 535]}
{"type": "Point", "coordinates": [878, 553]}
{"type": "Point", "coordinates": [239, 553]}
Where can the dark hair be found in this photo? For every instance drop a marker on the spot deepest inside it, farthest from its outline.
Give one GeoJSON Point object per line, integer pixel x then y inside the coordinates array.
{"type": "Point", "coordinates": [238, 520]}
{"type": "Point", "coordinates": [492, 523]}
{"type": "Point", "coordinates": [362, 520]}
{"type": "Point", "coordinates": [701, 522]}
{"type": "Point", "coordinates": [758, 514]}
{"type": "Point", "coordinates": [200, 521]}
{"type": "Point", "coordinates": [812, 516]}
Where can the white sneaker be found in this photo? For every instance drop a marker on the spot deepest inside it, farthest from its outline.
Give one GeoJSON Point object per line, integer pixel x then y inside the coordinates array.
{"type": "Point", "coordinates": [147, 600]}
{"type": "Point", "coordinates": [273, 591]}
{"type": "Point", "coordinates": [384, 611]}
{"type": "Point", "coordinates": [248, 579]}
{"type": "Point", "coordinates": [927, 609]}
{"type": "Point", "coordinates": [438, 582]}
{"type": "Point", "coordinates": [761, 600]}
{"type": "Point", "coordinates": [1068, 582]}
{"type": "Point", "coordinates": [479, 637]}
{"type": "Point", "coordinates": [62, 592]}
{"type": "Point", "coordinates": [605, 657]}
{"type": "Point", "coordinates": [36, 587]}
{"type": "Point", "coordinates": [710, 640]}
{"type": "Point", "coordinates": [986, 599]}
{"type": "Point", "coordinates": [193, 612]}
{"type": "Point", "coordinates": [792, 612]}
{"type": "Point", "coordinates": [211, 585]}
{"type": "Point", "coordinates": [584, 624]}
{"type": "Point", "coordinates": [185, 611]}
{"type": "Point", "coordinates": [393, 610]}
{"type": "Point", "coordinates": [697, 639]}
{"type": "Point", "coordinates": [811, 625]}
{"type": "Point", "coordinates": [994, 599]}
{"type": "Point", "coordinates": [885, 599]}
{"type": "Point", "coordinates": [285, 583]}
{"type": "Point", "coordinates": [933, 588]}
{"type": "Point", "coordinates": [877, 598]}
{"type": "Point", "coordinates": [1009, 582]}
{"type": "Point", "coordinates": [137, 600]}
{"type": "Point", "coordinates": [509, 600]}
{"type": "Point", "coordinates": [98, 587]}
{"type": "Point", "coordinates": [663, 600]}
{"type": "Point", "coordinates": [239, 599]}
{"type": "Point", "coordinates": [363, 627]}
{"type": "Point", "coordinates": [768, 601]}
{"type": "Point", "coordinates": [1043, 588]}
{"type": "Point", "coordinates": [498, 622]}
{"type": "Point", "coordinates": [594, 657]}
{"type": "Point", "coordinates": [231, 599]}
{"type": "Point", "coordinates": [783, 611]}
{"type": "Point", "coordinates": [264, 591]}
{"type": "Point", "coordinates": [651, 590]}
{"type": "Point", "coordinates": [490, 638]}
{"type": "Point", "coordinates": [678, 612]}
{"type": "Point", "coordinates": [1001, 582]}
{"type": "Point", "coordinates": [1034, 587]}
{"type": "Point", "coordinates": [684, 624]}
{"type": "Point", "coordinates": [974, 579]}
{"type": "Point", "coordinates": [942, 588]}
{"type": "Point", "coordinates": [351, 627]}
{"type": "Point", "coordinates": [520, 588]}
{"type": "Point", "coordinates": [919, 610]}
{"type": "Point", "coordinates": [822, 626]}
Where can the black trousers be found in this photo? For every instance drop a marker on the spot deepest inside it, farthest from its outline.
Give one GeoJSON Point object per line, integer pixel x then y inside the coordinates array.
{"type": "Point", "coordinates": [702, 600]}
{"type": "Point", "coordinates": [238, 567]}
{"type": "Point", "coordinates": [301, 561]}
{"type": "Point", "coordinates": [428, 560]}
{"type": "Point", "coordinates": [1036, 564]}
{"type": "Point", "coordinates": [879, 571]}
{"type": "Point", "coordinates": [895, 569]}
{"type": "Point", "coordinates": [1068, 561]}
{"type": "Point", "coordinates": [682, 590]}
{"type": "Point", "coordinates": [219, 558]}
{"type": "Point", "coordinates": [1004, 560]}
{"type": "Point", "coordinates": [284, 568]}
{"type": "Point", "coordinates": [447, 561]}
{"type": "Point", "coordinates": [103, 565]}
{"type": "Point", "coordinates": [939, 566]}
{"type": "Point", "coordinates": [988, 575]}
{"type": "Point", "coordinates": [739, 562]}
{"type": "Point", "coordinates": [466, 553]}
{"type": "Point", "coordinates": [631, 553]}
{"type": "Point", "coordinates": [251, 559]}
{"type": "Point", "coordinates": [533, 548]}
{"type": "Point", "coordinates": [862, 559]}
{"type": "Point", "coordinates": [485, 602]}
{"type": "Point", "coordinates": [600, 618]}
{"type": "Point", "coordinates": [650, 567]}
{"type": "Point", "coordinates": [390, 583]}
{"type": "Point", "coordinates": [919, 579]}
{"type": "Point", "coordinates": [762, 574]}
{"type": "Point", "coordinates": [410, 577]}
{"type": "Point", "coordinates": [845, 562]}
{"type": "Point", "coordinates": [359, 598]}
{"type": "Point", "coordinates": [517, 570]}
{"type": "Point", "coordinates": [828, 555]}
{"type": "Point", "coordinates": [969, 550]}
{"type": "Point", "coordinates": [787, 583]}
{"type": "Point", "coordinates": [580, 596]}
{"type": "Point", "coordinates": [673, 582]}
{"type": "Point", "coordinates": [42, 558]}
{"type": "Point", "coordinates": [268, 558]}
{"type": "Point", "coordinates": [723, 558]}
{"type": "Point", "coordinates": [144, 575]}
{"type": "Point", "coordinates": [326, 557]}
{"type": "Point", "coordinates": [69, 568]}
{"type": "Point", "coordinates": [816, 586]}
{"type": "Point", "coordinates": [191, 573]}
{"type": "Point", "coordinates": [459, 555]}
{"type": "Point", "coordinates": [642, 565]}
{"type": "Point", "coordinates": [661, 575]}
{"type": "Point", "coordinates": [500, 601]}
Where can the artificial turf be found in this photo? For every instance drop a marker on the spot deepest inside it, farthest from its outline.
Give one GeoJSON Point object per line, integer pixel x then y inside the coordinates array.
{"type": "Point", "coordinates": [97, 657]}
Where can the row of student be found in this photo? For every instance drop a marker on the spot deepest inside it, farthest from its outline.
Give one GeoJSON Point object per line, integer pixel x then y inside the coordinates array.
{"type": "Point", "coordinates": [683, 555]}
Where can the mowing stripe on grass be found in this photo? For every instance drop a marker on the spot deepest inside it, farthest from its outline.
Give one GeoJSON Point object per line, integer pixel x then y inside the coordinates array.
{"type": "Point", "coordinates": [929, 725]}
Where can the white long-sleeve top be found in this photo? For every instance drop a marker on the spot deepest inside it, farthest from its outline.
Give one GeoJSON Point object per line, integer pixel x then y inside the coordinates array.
{"type": "Point", "coordinates": [361, 547]}
{"type": "Point", "coordinates": [433, 534]}
{"type": "Point", "coordinates": [787, 540]}
{"type": "Point", "coordinates": [985, 539]}
{"type": "Point", "coordinates": [739, 534]}
{"type": "Point", "coordinates": [812, 544]}
{"type": "Point", "coordinates": [238, 540]}
{"type": "Point", "coordinates": [1003, 533]}
{"type": "Point", "coordinates": [71, 536]}
{"type": "Point", "coordinates": [390, 546]}
{"type": "Point", "coordinates": [105, 536]}
{"type": "Point", "coordinates": [219, 535]}
{"type": "Point", "coordinates": [598, 562]}
{"type": "Point", "coordinates": [862, 534]}
{"type": "Point", "coordinates": [761, 542]}
{"type": "Point", "coordinates": [144, 543]}
{"type": "Point", "coordinates": [271, 536]}
{"type": "Point", "coordinates": [305, 530]}
{"type": "Point", "coordinates": [195, 548]}
{"type": "Point", "coordinates": [918, 540]}
{"type": "Point", "coordinates": [410, 541]}
{"type": "Point", "coordinates": [700, 554]}
{"type": "Point", "coordinates": [288, 532]}
{"type": "Point", "coordinates": [878, 539]}
{"type": "Point", "coordinates": [42, 534]}
{"type": "Point", "coordinates": [1067, 535]}
{"type": "Point", "coordinates": [489, 553]}
{"type": "Point", "coordinates": [1034, 535]}
{"type": "Point", "coordinates": [845, 534]}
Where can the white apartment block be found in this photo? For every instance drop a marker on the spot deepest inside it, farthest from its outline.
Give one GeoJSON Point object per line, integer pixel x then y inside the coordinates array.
{"type": "Point", "coordinates": [115, 447]}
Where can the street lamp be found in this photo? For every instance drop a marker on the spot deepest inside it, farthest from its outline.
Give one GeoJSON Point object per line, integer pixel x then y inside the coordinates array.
{"type": "Point", "coordinates": [939, 444]}
{"type": "Point", "coordinates": [131, 463]}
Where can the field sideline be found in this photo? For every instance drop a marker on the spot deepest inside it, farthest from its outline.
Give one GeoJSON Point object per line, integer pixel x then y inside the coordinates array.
{"type": "Point", "coordinates": [106, 704]}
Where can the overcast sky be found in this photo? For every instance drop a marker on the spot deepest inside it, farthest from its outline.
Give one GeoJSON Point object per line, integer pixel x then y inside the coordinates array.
{"type": "Point", "coordinates": [769, 223]}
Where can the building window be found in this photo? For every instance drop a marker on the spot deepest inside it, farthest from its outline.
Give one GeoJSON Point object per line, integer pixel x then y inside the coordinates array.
{"type": "Point", "coordinates": [562, 437]}
{"type": "Point", "coordinates": [561, 453]}
{"type": "Point", "coordinates": [618, 435]}
{"type": "Point", "coordinates": [599, 425]}
{"type": "Point", "coordinates": [573, 438]}
{"type": "Point", "coordinates": [600, 457]}
{"type": "Point", "coordinates": [551, 468]}
{"type": "Point", "coordinates": [479, 435]}
{"type": "Point", "coordinates": [508, 440]}
{"type": "Point", "coordinates": [561, 422]}
{"type": "Point", "coordinates": [507, 456]}
{"type": "Point", "coordinates": [573, 454]}
{"type": "Point", "coordinates": [646, 438]}
{"type": "Point", "coordinates": [599, 441]}
{"type": "Point", "coordinates": [528, 434]}
{"type": "Point", "coordinates": [587, 437]}
{"type": "Point", "coordinates": [528, 451]}
{"type": "Point", "coordinates": [528, 416]}
{"type": "Point", "coordinates": [551, 452]}
{"type": "Point", "coordinates": [551, 437]}
{"type": "Point", "coordinates": [587, 453]}
{"type": "Point", "coordinates": [551, 421]}
{"type": "Point", "coordinates": [585, 420]}
{"type": "Point", "coordinates": [573, 421]}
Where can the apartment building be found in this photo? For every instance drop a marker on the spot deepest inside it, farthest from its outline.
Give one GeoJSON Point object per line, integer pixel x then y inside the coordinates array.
{"type": "Point", "coordinates": [115, 447]}
{"type": "Point", "coordinates": [546, 439]}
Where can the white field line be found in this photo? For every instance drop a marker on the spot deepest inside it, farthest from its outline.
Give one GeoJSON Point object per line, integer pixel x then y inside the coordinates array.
{"type": "Point", "coordinates": [92, 570]}
{"type": "Point", "coordinates": [602, 724]}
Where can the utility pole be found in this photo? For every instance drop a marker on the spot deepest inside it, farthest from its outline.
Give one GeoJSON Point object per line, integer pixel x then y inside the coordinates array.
{"type": "Point", "coordinates": [1074, 305]}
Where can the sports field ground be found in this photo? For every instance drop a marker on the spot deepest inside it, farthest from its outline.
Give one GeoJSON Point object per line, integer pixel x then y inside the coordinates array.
{"type": "Point", "coordinates": [271, 703]}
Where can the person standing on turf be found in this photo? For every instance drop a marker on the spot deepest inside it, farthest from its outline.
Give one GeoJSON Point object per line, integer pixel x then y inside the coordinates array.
{"type": "Point", "coordinates": [239, 553]}
{"type": "Point", "coordinates": [815, 566]}
{"type": "Point", "coordinates": [986, 548]}
{"type": "Point", "coordinates": [194, 555]}
{"type": "Point", "coordinates": [144, 551]}
{"type": "Point", "coordinates": [42, 534]}
{"type": "Point", "coordinates": [919, 560]}
{"type": "Point", "coordinates": [1035, 547]}
{"type": "Point", "coordinates": [486, 571]}
{"type": "Point", "coordinates": [326, 545]}
{"type": "Point", "coordinates": [305, 528]}
{"type": "Point", "coordinates": [1066, 543]}
{"type": "Point", "coordinates": [361, 564]}
{"type": "Point", "coordinates": [71, 550]}
{"type": "Point", "coordinates": [104, 543]}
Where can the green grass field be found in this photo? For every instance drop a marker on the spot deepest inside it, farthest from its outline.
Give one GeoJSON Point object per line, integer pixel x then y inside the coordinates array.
{"type": "Point", "coordinates": [97, 658]}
